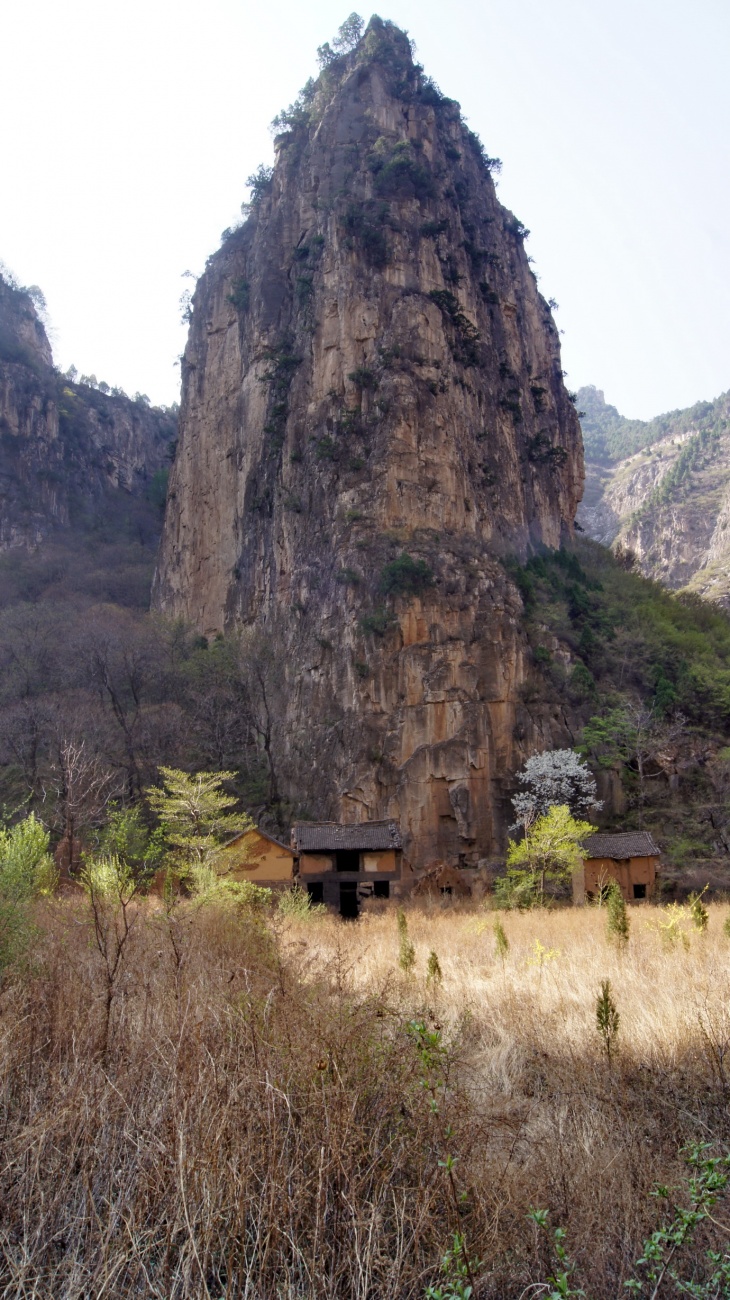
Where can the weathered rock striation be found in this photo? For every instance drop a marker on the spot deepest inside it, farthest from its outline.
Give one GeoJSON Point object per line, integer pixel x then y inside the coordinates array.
{"type": "Point", "coordinates": [373, 413]}
{"type": "Point", "coordinates": [667, 501]}
{"type": "Point", "coordinates": [68, 452]}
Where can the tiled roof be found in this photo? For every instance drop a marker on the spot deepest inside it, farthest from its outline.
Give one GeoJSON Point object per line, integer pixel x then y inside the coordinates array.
{"type": "Point", "coordinates": [328, 837]}
{"type": "Point", "coordinates": [631, 844]}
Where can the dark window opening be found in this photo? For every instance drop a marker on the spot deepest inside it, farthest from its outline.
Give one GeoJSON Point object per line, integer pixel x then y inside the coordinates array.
{"type": "Point", "coordinates": [639, 891]}
{"type": "Point", "coordinates": [315, 889]}
{"type": "Point", "coordinates": [347, 860]}
{"type": "Point", "coordinates": [446, 889]}
{"type": "Point", "coordinates": [381, 889]}
{"type": "Point", "coordinates": [349, 906]}
{"type": "Point", "coordinates": [603, 892]}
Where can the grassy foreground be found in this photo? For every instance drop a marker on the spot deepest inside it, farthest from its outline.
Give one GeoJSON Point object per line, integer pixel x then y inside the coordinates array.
{"type": "Point", "coordinates": [260, 1120]}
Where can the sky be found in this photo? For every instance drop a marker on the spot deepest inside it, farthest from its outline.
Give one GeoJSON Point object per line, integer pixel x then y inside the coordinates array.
{"type": "Point", "coordinates": [129, 131]}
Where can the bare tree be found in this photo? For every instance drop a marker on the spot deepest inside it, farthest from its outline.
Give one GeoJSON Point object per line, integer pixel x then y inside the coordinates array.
{"type": "Point", "coordinates": [80, 787]}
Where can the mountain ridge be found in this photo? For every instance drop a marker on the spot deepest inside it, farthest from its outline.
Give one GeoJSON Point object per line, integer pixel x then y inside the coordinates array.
{"type": "Point", "coordinates": [659, 491]}
{"type": "Point", "coordinates": [80, 468]}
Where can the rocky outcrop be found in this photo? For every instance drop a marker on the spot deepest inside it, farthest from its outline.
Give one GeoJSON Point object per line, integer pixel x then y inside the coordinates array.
{"type": "Point", "coordinates": [373, 413]}
{"type": "Point", "coordinates": [68, 453]}
{"type": "Point", "coordinates": [668, 503]}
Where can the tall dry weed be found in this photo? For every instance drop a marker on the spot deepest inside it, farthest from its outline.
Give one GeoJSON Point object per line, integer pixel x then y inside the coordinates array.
{"type": "Point", "coordinates": [258, 1125]}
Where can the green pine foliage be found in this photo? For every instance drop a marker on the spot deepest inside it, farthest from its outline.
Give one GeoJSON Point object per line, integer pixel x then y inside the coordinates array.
{"type": "Point", "coordinates": [434, 973]}
{"type": "Point", "coordinates": [501, 942]}
{"type": "Point", "coordinates": [406, 950]}
{"type": "Point", "coordinates": [607, 1020]}
{"type": "Point", "coordinates": [698, 911]}
{"type": "Point", "coordinates": [617, 924]}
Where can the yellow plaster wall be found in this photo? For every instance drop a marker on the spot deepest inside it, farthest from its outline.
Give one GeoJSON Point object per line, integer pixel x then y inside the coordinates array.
{"type": "Point", "coordinates": [384, 860]}
{"type": "Point", "coordinates": [254, 857]}
{"type": "Point", "coordinates": [313, 864]}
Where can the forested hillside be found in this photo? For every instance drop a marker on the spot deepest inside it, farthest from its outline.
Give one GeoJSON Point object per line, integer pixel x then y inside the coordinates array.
{"type": "Point", "coordinates": [660, 490]}
{"type": "Point", "coordinates": [609, 437]}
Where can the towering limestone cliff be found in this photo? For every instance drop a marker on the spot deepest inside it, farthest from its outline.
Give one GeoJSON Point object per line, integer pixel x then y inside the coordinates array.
{"type": "Point", "coordinates": [70, 455]}
{"type": "Point", "coordinates": [373, 413]}
{"type": "Point", "coordinates": [660, 489]}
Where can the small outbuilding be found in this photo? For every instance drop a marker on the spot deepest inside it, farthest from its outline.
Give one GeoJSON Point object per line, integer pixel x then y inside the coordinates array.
{"type": "Point", "coordinates": [441, 880]}
{"type": "Point", "coordinates": [258, 857]}
{"type": "Point", "coordinates": [631, 858]}
{"type": "Point", "coordinates": [343, 865]}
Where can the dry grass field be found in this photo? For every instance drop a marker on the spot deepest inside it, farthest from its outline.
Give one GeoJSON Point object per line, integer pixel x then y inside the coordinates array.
{"type": "Point", "coordinates": [259, 1121]}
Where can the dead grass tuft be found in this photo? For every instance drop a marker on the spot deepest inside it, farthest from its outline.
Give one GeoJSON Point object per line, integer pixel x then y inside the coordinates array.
{"type": "Point", "coordinates": [256, 1123]}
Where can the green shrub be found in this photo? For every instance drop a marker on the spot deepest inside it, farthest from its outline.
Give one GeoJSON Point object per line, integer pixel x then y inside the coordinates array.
{"type": "Point", "coordinates": [296, 905]}
{"type": "Point", "coordinates": [240, 295]}
{"type": "Point", "coordinates": [698, 911]}
{"type": "Point", "coordinates": [365, 225]}
{"type": "Point", "coordinates": [617, 924]}
{"type": "Point", "coordinates": [465, 335]}
{"type": "Point", "coordinates": [378, 622]}
{"type": "Point", "coordinates": [363, 377]}
{"type": "Point", "coordinates": [540, 451]}
{"type": "Point", "coordinates": [26, 871]}
{"type": "Point", "coordinates": [326, 448]}
{"type": "Point", "coordinates": [399, 173]}
{"type": "Point", "coordinates": [432, 229]}
{"type": "Point", "coordinates": [405, 576]}
{"type": "Point", "coordinates": [259, 183]}
{"type": "Point", "coordinates": [406, 951]}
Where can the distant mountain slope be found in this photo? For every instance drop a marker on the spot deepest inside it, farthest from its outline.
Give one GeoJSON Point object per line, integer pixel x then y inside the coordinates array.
{"type": "Point", "coordinates": [661, 489]}
{"type": "Point", "coordinates": [80, 469]}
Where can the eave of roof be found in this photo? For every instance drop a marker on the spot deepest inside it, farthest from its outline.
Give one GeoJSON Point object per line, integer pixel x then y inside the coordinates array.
{"type": "Point", "coordinates": [329, 837]}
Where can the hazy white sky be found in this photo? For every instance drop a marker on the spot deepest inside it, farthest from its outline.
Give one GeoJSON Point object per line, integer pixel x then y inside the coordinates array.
{"type": "Point", "coordinates": [129, 130]}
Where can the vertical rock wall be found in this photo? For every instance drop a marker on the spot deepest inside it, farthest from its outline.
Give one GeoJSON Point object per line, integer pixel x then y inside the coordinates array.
{"type": "Point", "coordinates": [65, 449]}
{"type": "Point", "coordinates": [373, 414]}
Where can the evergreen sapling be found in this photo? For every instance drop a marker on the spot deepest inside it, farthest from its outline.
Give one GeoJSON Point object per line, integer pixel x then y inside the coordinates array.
{"type": "Point", "coordinates": [406, 951]}
{"type": "Point", "coordinates": [617, 925]}
{"type": "Point", "coordinates": [607, 1019]}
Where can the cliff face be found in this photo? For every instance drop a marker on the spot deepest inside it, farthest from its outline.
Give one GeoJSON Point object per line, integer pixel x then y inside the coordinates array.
{"type": "Point", "coordinates": [668, 501]}
{"type": "Point", "coordinates": [68, 453]}
{"type": "Point", "coordinates": [373, 411]}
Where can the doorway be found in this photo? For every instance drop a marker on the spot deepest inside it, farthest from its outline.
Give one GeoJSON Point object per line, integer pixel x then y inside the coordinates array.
{"type": "Point", "coordinates": [349, 906]}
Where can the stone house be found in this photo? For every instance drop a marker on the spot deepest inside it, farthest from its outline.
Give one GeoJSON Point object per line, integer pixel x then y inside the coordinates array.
{"type": "Point", "coordinates": [631, 858]}
{"type": "Point", "coordinates": [343, 865]}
